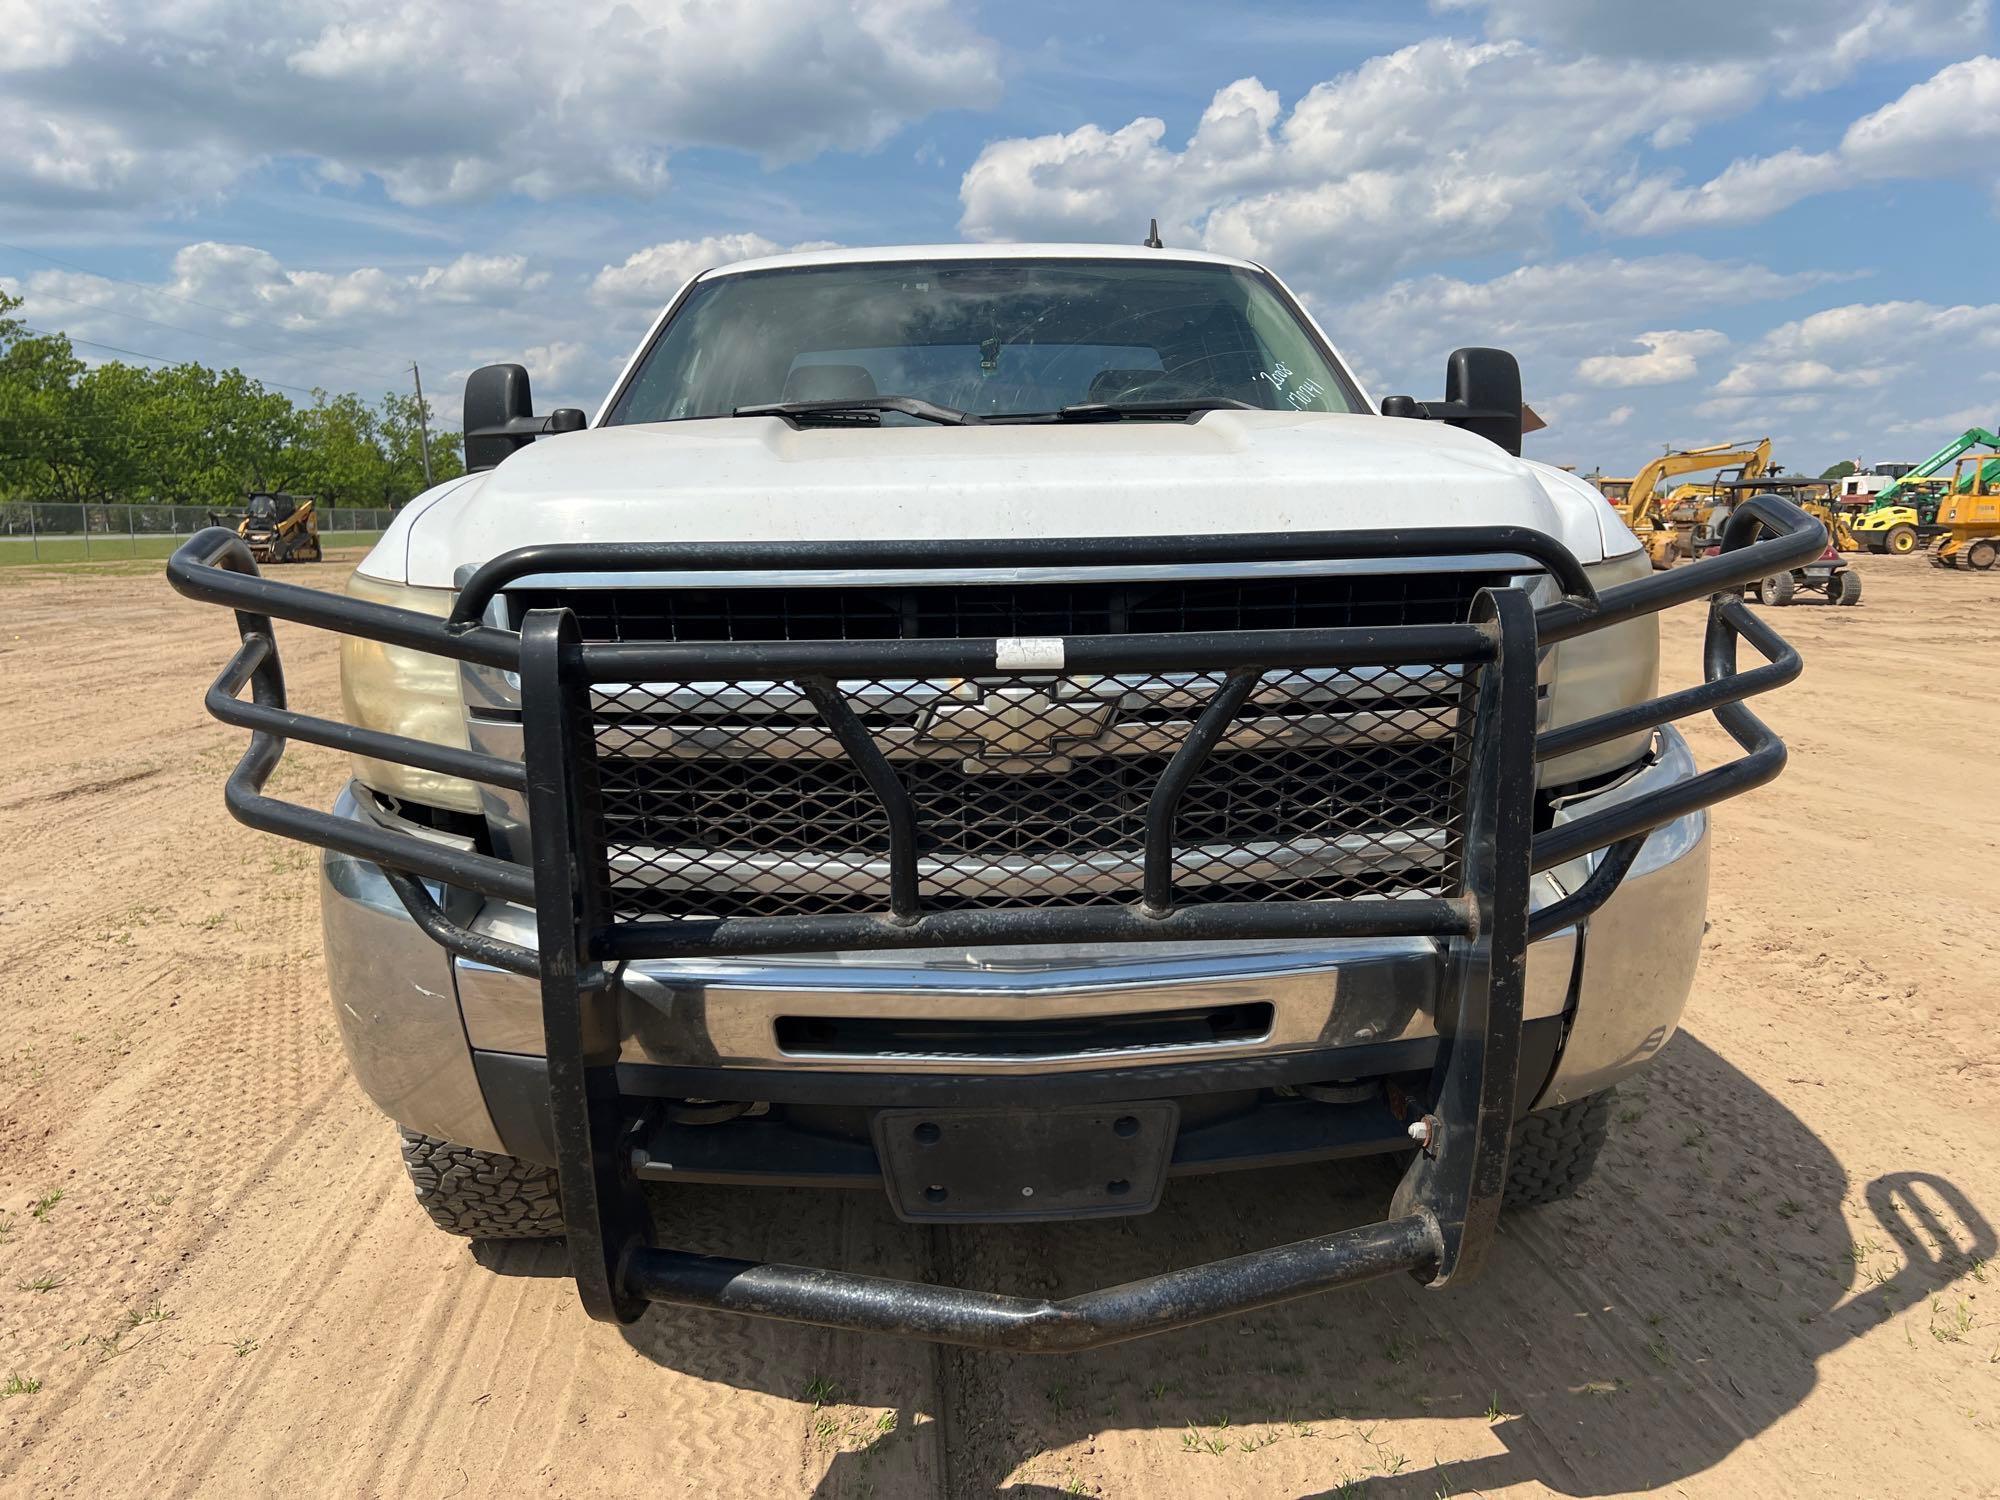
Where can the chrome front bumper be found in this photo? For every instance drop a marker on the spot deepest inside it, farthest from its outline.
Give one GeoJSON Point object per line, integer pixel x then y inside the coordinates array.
{"type": "Point", "coordinates": [412, 1016]}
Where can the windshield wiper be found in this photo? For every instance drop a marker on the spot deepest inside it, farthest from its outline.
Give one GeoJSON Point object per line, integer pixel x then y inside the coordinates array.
{"type": "Point", "coordinates": [1181, 406]}
{"type": "Point", "coordinates": [839, 406]}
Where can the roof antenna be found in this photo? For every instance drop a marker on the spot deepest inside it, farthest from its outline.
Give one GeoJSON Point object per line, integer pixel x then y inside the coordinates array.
{"type": "Point", "coordinates": [1153, 240]}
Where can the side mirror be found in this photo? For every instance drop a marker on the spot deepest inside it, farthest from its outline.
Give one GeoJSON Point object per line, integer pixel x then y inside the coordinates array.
{"type": "Point", "coordinates": [500, 415]}
{"type": "Point", "coordinates": [1486, 385]}
{"type": "Point", "coordinates": [1482, 394]}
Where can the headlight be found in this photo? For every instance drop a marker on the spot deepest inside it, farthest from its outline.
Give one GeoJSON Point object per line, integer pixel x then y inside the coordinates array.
{"type": "Point", "coordinates": [400, 691]}
{"type": "Point", "coordinates": [1614, 667]}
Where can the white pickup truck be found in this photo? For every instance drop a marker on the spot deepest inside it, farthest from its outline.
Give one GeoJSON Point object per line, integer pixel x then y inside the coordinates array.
{"type": "Point", "coordinates": [1004, 727]}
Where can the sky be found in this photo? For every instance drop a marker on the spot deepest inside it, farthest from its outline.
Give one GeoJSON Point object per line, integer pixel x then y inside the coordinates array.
{"type": "Point", "coordinates": [1694, 223]}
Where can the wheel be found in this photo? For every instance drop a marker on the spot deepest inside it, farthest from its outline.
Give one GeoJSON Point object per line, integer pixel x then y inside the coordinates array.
{"type": "Point", "coordinates": [481, 1194]}
{"type": "Point", "coordinates": [1555, 1150]}
{"type": "Point", "coordinates": [1902, 539]}
{"type": "Point", "coordinates": [1982, 555]}
{"type": "Point", "coordinates": [1777, 589]}
{"type": "Point", "coordinates": [1845, 588]}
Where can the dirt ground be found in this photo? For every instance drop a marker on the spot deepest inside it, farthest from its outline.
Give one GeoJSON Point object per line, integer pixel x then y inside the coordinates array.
{"type": "Point", "coordinates": [1783, 1281]}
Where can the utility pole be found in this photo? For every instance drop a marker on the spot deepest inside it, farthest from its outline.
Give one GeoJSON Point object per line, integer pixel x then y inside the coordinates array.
{"type": "Point", "coordinates": [423, 421]}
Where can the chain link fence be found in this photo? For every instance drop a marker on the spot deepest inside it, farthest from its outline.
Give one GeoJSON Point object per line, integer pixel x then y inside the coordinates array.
{"type": "Point", "coordinates": [47, 531]}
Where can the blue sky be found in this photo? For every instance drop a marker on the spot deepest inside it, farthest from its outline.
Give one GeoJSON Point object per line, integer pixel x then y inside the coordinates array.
{"type": "Point", "coordinates": [1694, 223]}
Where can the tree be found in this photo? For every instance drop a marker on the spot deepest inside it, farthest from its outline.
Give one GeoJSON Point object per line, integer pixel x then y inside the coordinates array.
{"type": "Point", "coordinates": [1840, 470]}
{"type": "Point", "coordinates": [190, 435]}
{"type": "Point", "coordinates": [42, 447]}
{"type": "Point", "coordinates": [340, 452]}
{"type": "Point", "coordinates": [402, 442]}
{"type": "Point", "coordinates": [211, 435]}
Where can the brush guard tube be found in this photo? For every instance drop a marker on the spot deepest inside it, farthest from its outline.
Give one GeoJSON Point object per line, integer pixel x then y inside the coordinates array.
{"type": "Point", "coordinates": [1443, 1214]}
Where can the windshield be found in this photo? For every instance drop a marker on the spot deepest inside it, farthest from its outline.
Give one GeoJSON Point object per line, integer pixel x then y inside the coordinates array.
{"type": "Point", "coordinates": [990, 338]}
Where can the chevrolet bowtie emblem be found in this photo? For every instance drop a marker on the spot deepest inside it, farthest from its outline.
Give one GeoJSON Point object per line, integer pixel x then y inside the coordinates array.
{"type": "Point", "coordinates": [1018, 724]}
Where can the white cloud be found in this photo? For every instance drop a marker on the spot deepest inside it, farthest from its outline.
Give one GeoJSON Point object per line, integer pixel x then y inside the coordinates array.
{"type": "Point", "coordinates": [1559, 314]}
{"type": "Point", "coordinates": [1584, 296]}
{"type": "Point", "coordinates": [1671, 355]}
{"type": "Point", "coordinates": [553, 364]}
{"type": "Point", "coordinates": [1948, 124]}
{"type": "Point", "coordinates": [350, 329]}
{"type": "Point", "coordinates": [126, 105]}
{"type": "Point", "coordinates": [1753, 377]}
{"type": "Point", "coordinates": [1552, 315]}
{"type": "Point", "coordinates": [1861, 332]}
{"type": "Point", "coordinates": [648, 277]}
{"type": "Point", "coordinates": [480, 278]}
{"type": "Point", "coordinates": [41, 36]}
{"type": "Point", "coordinates": [1872, 367]}
{"type": "Point", "coordinates": [1443, 148]}
{"type": "Point", "coordinates": [1814, 42]}
{"type": "Point", "coordinates": [1987, 416]}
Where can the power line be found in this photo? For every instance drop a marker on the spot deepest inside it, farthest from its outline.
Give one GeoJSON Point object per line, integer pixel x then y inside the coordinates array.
{"type": "Point", "coordinates": [176, 297]}
{"type": "Point", "coordinates": [165, 359]}
{"type": "Point", "coordinates": [199, 333]}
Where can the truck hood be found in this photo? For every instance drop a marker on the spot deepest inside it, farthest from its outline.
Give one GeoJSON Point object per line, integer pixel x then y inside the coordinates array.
{"type": "Point", "coordinates": [759, 479]}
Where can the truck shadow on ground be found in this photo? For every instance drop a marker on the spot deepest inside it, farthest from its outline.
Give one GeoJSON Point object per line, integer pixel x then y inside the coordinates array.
{"type": "Point", "coordinates": [1625, 1340]}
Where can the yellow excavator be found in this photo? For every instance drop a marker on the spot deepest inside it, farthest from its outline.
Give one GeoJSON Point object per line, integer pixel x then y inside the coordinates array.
{"type": "Point", "coordinates": [1665, 525]}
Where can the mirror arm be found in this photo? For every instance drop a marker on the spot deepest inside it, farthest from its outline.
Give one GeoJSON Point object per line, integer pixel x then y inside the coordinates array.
{"type": "Point", "coordinates": [1435, 411]}
{"type": "Point", "coordinates": [562, 419]}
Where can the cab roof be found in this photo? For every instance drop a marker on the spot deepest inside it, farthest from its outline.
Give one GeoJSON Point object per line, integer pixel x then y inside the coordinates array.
{"type": "Point", "coordinates": [875, 254]}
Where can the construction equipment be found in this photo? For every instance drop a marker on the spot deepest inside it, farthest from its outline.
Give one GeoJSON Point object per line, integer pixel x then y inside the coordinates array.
{"type": "Point", "coordinates": [1950, 453]}
{"type": "Point", "coordinates": [1838, 527]}
{"type": "Point", "coordinates": [1969, 515]}
{"type": "Point", "coordinates": [1906, 524]}
{"type": "Point", "coordinates": [1666, 526]}
{"type": "Point", "coordinates": [1904, 515]}
{"type": "Point", "coordinates": [1829, 575]}
{"type": "Point", "coordinates": [281, 528]}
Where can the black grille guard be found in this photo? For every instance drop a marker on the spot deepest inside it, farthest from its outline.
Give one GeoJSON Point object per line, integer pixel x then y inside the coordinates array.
{"type": "Point", "coordinates": [1442, 1217]}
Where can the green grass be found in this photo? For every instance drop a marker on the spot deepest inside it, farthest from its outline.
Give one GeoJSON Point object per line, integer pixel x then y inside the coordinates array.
{"type": "Point", "coordinates": [17, 550]}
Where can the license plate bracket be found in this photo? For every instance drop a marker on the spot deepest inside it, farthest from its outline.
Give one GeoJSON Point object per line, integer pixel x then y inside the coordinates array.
{"type": "Point", "coordinates": [1012, 1165]}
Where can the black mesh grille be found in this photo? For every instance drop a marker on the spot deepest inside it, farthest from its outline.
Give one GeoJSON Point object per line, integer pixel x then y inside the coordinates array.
{"type": "Point", "coordinates": [865, 613]}
{"type": "Point", "coordinates": [1029, 789]}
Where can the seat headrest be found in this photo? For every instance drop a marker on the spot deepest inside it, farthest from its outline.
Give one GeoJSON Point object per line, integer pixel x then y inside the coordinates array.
{"type": "Point", "coordinates": [1108, 383]}
{"type": "Point", "coordinates": [828, 383]}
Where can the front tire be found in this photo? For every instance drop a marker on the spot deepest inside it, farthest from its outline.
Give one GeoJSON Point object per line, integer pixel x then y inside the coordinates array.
{"type": "Point", "coordinates": [1556, 1150]}
{"type": "Point", "coordinates": [482, 1195]}
{"type": "Point", "coordinates": [1847, 588]}
{"type": "Point", "coordinates": [1902, 540]}
{"type": "Point", "coordinates": [1776, 590]}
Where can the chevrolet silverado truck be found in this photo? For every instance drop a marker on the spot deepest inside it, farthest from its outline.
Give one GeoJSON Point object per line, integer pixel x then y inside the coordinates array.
{"type": "Point", "coordinates": [1006, 728]}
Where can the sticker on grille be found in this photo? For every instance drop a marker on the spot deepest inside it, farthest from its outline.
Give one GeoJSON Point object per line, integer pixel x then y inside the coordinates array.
{"type": "Point", "coordinates": [1030, 789]}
